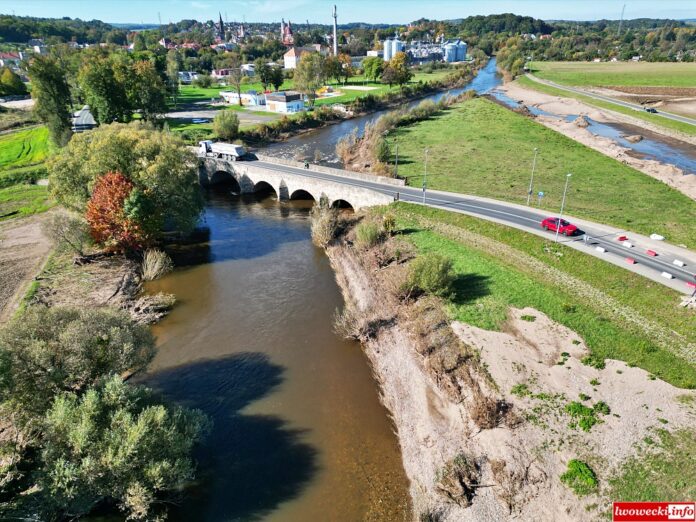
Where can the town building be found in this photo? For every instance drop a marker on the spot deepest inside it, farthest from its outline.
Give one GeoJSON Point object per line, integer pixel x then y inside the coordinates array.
{"type": "Point", "coordinates": [285, 102]}
{"type": "Point", "coordinates": [249, 98]}
{"type": "Point", "coordinates": [286, 36]}
{"type": "Point", "coordinates": [249, 69]}
{"type": "Point", "coordinates": [11, 60]}
{"type": "Point", "coordinates": [187, 77]}
{"type": "Point", "coordinates": [292, 57]}
{"type": "Point", "coordinates": [83, 120]}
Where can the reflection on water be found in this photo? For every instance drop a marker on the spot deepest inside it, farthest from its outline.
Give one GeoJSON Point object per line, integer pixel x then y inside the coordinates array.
{"type": "Point", "coordinates": [299, 433]}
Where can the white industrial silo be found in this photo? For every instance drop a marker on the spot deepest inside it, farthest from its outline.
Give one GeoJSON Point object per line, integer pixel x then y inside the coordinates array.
{"type": "Point", "coordinates": [450, 52]}
{"type": "Point", "coordinates": [397, 46]}
{"type": "Point", "coordinates": [387, 50]}
{"type": "Point", "coordinates": [461, 51]}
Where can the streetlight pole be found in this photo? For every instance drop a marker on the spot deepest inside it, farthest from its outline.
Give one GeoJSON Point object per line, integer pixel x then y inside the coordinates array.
{"type": "Point", "coordinates": [396, 161]}
{"type": "Point", "coordinates": [425, 175]}
{"type": "Point", "coordinates": [560, 216]}
{"type": "Point", "coordinates": [531, 180]}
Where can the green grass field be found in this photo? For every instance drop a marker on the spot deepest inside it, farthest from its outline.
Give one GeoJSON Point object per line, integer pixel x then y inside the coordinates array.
{"type": "Point", "coordinates": [23, 200]}
{"type": "Point", "coordinates": [608, 74]}
{"type": "Point", "coordinates": [489, 282]}
{"type": "Point", "coordinates": [24, 147]}
{"type": "Point", "coordinates": [192, 94]}
{"type": "Point", "coordinates": [481, 148]}
{"type": "Point", "coordinates": [641, 115]}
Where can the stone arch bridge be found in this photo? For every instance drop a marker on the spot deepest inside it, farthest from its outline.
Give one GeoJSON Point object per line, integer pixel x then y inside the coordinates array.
{"type": "Point", "coordinates": [289, 180]}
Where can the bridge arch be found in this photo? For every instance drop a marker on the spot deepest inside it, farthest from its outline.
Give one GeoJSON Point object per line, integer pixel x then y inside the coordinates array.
{"type": "Point", "coordinates": [342, 204]}
{"type": "Point", "coordinates": [263, 187]}
{"type": "Point", "coordinates": [222, 177]}
{"type": "Point", "coordinates": [302, 194]}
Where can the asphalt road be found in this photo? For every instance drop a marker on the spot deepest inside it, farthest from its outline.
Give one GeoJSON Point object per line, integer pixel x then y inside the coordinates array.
{"type": "Point", "coordinates": [529, 220]}
{"type": "Point", "coordinates": [635, 106]}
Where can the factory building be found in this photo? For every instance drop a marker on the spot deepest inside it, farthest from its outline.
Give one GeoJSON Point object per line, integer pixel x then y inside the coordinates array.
{"type": "Point", "coordinates": [391, 47]}
{"type": "Point", "coordinates": [423, 52]}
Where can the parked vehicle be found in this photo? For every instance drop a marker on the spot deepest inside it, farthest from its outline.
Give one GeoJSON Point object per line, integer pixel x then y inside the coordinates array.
{"type": "Point", "coordinates": [227, 151]}
{"type": "Point", "coordinates": [651, 110]}
{"type": "Point", "coordinates": [566, 228]}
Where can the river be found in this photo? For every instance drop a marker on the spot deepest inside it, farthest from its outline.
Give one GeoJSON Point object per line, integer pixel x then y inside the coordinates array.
{"type": "Point", "coordinates": [299, 433]}
{"type": "Point", "coordinates": [324, 140]}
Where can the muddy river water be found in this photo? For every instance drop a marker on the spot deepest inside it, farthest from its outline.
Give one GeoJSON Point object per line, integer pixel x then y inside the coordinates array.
{"type": "Point", "coordinates": [299, 433]}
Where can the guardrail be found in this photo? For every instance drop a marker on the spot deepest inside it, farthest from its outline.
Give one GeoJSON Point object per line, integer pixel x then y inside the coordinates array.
{"type": "Point", "coordinates": [332, 171]}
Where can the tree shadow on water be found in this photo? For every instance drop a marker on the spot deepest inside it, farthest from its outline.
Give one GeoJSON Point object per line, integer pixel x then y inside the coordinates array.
{"type": "Point", "coordinates": [248, 464]}
{"type": "Point", "coordinates": [469, 287]}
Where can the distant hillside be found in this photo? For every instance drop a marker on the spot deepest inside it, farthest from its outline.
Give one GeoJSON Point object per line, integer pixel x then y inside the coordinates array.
{"type": "Point", "coordinates": [20, 29]}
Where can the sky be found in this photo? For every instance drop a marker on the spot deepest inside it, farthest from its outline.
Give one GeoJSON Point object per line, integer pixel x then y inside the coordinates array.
{"type": "Point", "coordinates": [372, 11]}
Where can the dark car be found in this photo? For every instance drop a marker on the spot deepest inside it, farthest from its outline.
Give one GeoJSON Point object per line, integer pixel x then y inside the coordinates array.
{"type": "Point", "coordinates": [566, 228]}
{"type": "Point", "coordinates": [651, 110]}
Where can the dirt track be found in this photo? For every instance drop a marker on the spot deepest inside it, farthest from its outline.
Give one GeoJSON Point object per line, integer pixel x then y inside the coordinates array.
{"type": "Point", "coordinates": [23, 250]}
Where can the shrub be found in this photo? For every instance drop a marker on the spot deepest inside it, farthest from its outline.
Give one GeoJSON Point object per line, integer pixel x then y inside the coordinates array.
{"type": "Point", "coordinates": [430, 273]}
{"type": "Point", "coordinates": [155, 264]}
{"type": "Point", "coordinates": [107, 216]}
{"type": "Point", "coordinates": [580, 478]}
{"type": "Point", "coordinates": [50, 350]}
{"type": "Point", "coordinates": [115, 442]}
{"type": "Point", "coordinates": [458, 479]}
{"type": "Point", "coordinates": [367, 235]}
{"type": "Point", "coordinates": [388, 223]}
{"type": "Point", "coordinates": [226, 125]}
{"type": "Point", "coordinates": [324, 222]}
{"type": "Point", "coordinates": [68, 231]}
{"type": "Point", "coordinates": [203, 81]}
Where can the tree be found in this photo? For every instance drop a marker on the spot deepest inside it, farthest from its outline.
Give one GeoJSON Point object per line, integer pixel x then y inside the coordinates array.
{"type": "Point", "coordinates": [11, 83]}
{"type": "Point", "coordinates": [51, 95]}
{"type": "Point", "coordinates": [401, 72]}
{"type": "Point", "coordinates": [173, 59]}
{"type": "Point", "coordinates": [347, 70]}
{"type": "Point", "coordinates": [226, 125]}
{"type": "Point", "coordinates": [277, 78]}
{"type": "Point", "coordinates": [332, 68]}
{"type": "Point", "coordinates": [108, 216]}
{"type": "Point", "coordinates": [389, 75]}
{"type": "Point", "coordinates": [263, 72]}
{"type": "Point", "coordinates": [373, 67]}
{"type": "Point", "coordinates": [68, 231]}
{"type": "Point", "coordinates": [53, 350]}
{"type": "Point", "coordinates": [148, 92]}
{"type": "Point", "coordinates": [116, 442]}
{"type": "Point", "coordinates": [103, 92]}
{"type": "Point", "coordinates": [159, 165]}
{"type": "Point", "coordinates": [310, 75]}
{"type": "Point", "coordinates": [236, 74]}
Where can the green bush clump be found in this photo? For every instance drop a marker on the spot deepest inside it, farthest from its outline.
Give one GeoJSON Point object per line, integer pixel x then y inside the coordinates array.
{"type": "Point", "coordinates": [580, 478]}
{"type": "Point", "coordinates": [367, 235]}
{"type": "Point", "coordinates": [430, 273]}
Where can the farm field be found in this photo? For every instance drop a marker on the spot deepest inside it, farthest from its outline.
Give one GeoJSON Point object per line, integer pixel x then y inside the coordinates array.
{"type": "Point", "coordinates": [614, 74]}
{"type": "Point", "coordinates": [481, 148]}
{"type": "Point", "coordinates": [24, 147]}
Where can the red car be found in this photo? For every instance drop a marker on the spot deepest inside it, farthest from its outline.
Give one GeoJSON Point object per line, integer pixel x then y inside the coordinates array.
{"type": "Point", "coordinates": [566, 228]}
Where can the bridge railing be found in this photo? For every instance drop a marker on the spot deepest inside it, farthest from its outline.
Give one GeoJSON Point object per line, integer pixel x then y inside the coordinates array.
{"type": "Point", "coordinates": [332, 171]}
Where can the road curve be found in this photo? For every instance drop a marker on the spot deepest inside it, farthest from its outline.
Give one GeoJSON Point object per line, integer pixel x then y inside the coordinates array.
{"type": "Point", "coordinates": [523, 218]}
{"type": "Point", "coordinates": [635, 106]}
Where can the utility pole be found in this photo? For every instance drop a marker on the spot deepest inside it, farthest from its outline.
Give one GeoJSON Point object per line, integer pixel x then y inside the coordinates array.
{"type": "Point", "coordinates": [396, 161]}
{"type": "Point", "coordinates": [531, 180]}
{"type": "Point", "coordinates": [560, 216]}
{"type": "Point", "coordinates": [618, 33]}
{"type": "Point", "coordinates": [425, 175]}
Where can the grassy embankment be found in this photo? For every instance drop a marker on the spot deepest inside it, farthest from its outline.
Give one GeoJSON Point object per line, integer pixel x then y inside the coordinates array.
{"type": "Point", "coordinates": [481, 148]}
{"type": "Point", "coordinates": [617, 74]}
{"type": "Point", "coordinates": [22, 154]}
{"type": "Point", "coordinates": [620, 315]}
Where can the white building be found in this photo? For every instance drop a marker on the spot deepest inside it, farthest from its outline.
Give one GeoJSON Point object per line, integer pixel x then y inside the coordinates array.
{"type": "Point", "coordinates": [292, 57]}
{"type": "Point", "coordinates": [285, 102]}
{"type": "Point", "coordinates": [249, 69]}
{"type": "Point", "coordinates": [249, 98]}
{"type": "Point", "coordinates": [379, 53]}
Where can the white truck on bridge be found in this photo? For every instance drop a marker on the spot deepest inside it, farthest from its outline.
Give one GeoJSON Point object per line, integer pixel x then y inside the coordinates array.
{"type": "Point", "coordinates": [228, 151]}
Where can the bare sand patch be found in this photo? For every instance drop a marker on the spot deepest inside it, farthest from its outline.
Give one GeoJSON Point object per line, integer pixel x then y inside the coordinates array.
{"type": "Point", "coordinates": [358, 88]}
{"type": "Point", "coordinates": [23, 249]}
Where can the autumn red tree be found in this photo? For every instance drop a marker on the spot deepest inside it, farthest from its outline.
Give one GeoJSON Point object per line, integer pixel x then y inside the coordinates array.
{"type": "Point", "coordinates": [108, 219]}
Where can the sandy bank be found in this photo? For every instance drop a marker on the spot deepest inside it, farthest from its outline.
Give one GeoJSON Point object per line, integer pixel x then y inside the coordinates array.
{"type": "Point", "coordinates": [519, 462]}
{"type": "Point", "coordinates": [668, 174]}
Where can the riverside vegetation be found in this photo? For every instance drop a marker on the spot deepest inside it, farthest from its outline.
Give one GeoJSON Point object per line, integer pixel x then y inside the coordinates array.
{"type": "Point", "coordinates": [428, 268]}
{"type": "Point", "coordinates": [75, 436]}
